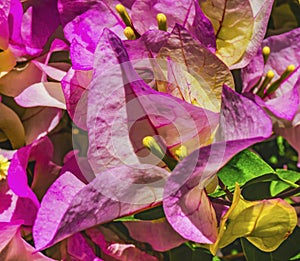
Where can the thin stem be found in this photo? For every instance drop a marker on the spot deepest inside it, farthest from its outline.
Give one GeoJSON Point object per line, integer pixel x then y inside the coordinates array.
{"type": "Point", "coordinates": [220, 201]}
{"type": "Point", "coordinates": [225, 189]}
{"type": "Point", "coordinates": [289, 193]}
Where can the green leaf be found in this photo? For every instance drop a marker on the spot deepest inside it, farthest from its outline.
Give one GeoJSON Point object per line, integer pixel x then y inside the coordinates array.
{"type": "Point", "coordinates": [202, 254]}
{"type": "Point", "coordinates": [127, 218]}
{"type": "Point", "coordinates": [259, 188]}
{"type": "Point", "coordinates": [269, 185]}
{"type": "Point", "coordinates": [242, 168]}
{"type": "Point", "coordinates": [296, 257]}
{"type": "Point", "coordinates": [287, 179]}
{"type": "Point", "coordinates": [151, 214]}
{"type": "Point", "coordinates": [148, 214]}
{"type": "Point", "coordinates": [288, 250]}
{"type": "Point", "coordinates": [264, 178]}
{"type": "Point", "coordinates": [182, 252]}
{"type": "Point", "coordinates": [185, 252]}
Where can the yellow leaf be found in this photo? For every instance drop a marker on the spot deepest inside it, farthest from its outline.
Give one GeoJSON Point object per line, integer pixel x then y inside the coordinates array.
{"type": "Point", "coordinates": [197, 74]}
{"type": "Point", "coordinates": [233, 23]}
{"type": "Point", "coordinates": [266, 223]}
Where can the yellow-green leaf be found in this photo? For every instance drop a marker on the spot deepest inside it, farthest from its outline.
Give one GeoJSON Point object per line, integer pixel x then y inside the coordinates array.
{"type": "Point", "coordinates": [266, 223]}
{"type": "Point", "coordinates": [198, 75]}
{"type": "Point", "coordinates": [233, 23]}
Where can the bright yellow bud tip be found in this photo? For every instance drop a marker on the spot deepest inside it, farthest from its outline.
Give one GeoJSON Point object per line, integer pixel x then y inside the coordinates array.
{"type": "Point", "coordinates": [275, 85]}
{"type": "Point", "coordinates": [121, 8]}
{"type": "Point", "coordinates": [151, 144]}
{"type": "Point", "coordinates": [4, 164]}
{"type": "Point", "coordinates": [270, 74]}
{"type": "Point", "coordinates": [266, 50]}
{"type": "Point", "coordinates": [129, 33]}
{"type": "Point", "coordinates": [181, 152]}
{"type": "Point", "coordinates": [123, 14]}
{"type": "Point", "coordinates": [161, 21]}
{"type": "Point", "coordinates": [161, 18]}
{"type": "Point", "coordinates": [147, 141]}
{"type": "Point", "coordinates": [290, 68]}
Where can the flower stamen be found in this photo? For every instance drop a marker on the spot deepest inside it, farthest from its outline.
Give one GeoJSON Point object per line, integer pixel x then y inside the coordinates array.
{"type": "Point", "coordinates": [181, 152]}
{"type": "Point", "coordinates": [161, 21]}
{"type": "Point", "coordinates": [129, 33]}
{"type": "Point", "coordinates": [266, 53]}
{"type": "Point", "coordinates": [269, 76]}
{"type": "Point", "coordinates": [274, 86]}
{"type": "Point", "coordinates": [152, 145]}
{"type": "Point", "coordinates": [124, 14]}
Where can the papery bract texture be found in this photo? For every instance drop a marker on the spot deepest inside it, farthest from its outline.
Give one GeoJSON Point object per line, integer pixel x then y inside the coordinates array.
{"type": "Point", "coordinates": [284, 52]}
{"type": "Point", "coordinates": [45, 172]}
{"type": "Point", "coordinates": [39, 22]}
{"type": "Point", "coordinates": [83, 22]}
{"type": "Point", "coordinates": [8, 202]}
{"type": "Point", "coordinates": [14, 247]}
{"type": "Point", "coordinates": [203, 29]}
{"type": "Point", "coordinates": [128, 102]}
{"type": "Point", "coordinates": [208, 72]}
{"type": "Point", "coordinates": [187, 207]}
{"type": "Point", "coordinates": [261, 12]}
{"type": "Point", "coordinates": [181, 12]}
{"type": "Point", "coordinates": [79, 248]}
{"type": "Point", "coordinates": [116, 248]}
{"type": "Point", "coordinates": [158, 233]}
{"type": "Point", "coordinates": [147, 46]}
{"type": "Point", "coordinates": [83, 206]}
{"type": "Point", "coordinates": [42, 94]}
{"type": "Point", "coordinates": [75, 87]}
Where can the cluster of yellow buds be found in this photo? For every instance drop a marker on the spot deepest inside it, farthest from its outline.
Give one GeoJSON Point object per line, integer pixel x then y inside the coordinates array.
{"type": "Point", "coordinates": [129, 31]}
{"type": "Point", "coordinates": [267, 87]}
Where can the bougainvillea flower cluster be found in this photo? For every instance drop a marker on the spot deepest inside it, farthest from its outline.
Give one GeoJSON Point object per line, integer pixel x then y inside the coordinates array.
{"type": "Point", "coordinates": [128, 130]}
